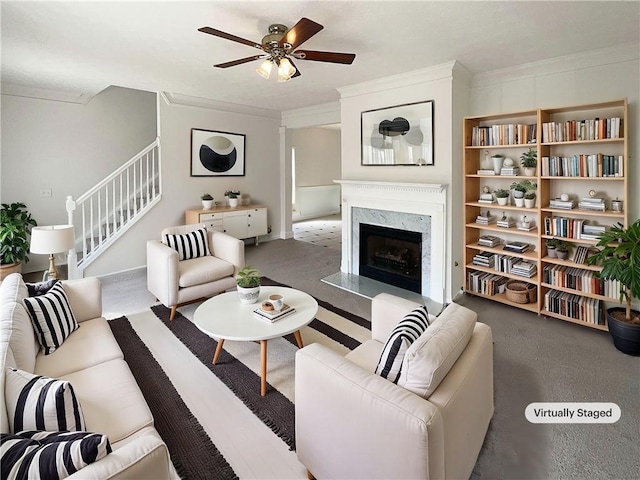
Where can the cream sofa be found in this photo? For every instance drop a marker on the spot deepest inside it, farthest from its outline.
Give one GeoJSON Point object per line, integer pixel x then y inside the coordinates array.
{"type": "Point", "coordinates": [352, 423]}
{"type": "Point", "coordinates": [91, 360]}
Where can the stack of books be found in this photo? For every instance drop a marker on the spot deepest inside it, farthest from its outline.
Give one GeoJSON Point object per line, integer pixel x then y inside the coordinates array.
{"type": "Point", "coordinates": [507, 223]}
{"type": "Point", "coordinates": [524, 268]}
{"type": "Point", "coordinates": [484, 218]}
{"type": "Point", "coordinates": [591, 232]}
{"type": "Point", "coordinates": [527, 229]}
{"type": "Point", "coordinates": [562, 204]}
{"type": "Point", "coordinates": [592, 204]}
{"type": "Point", "coordinates": [486, 172]}
{"type": "Point", "coordinates": [489, 241]}
{"type": "Point", "coordinates": [272, 315]}
{"type": "Point", "coordinates": [509, 171]}
{"type": "Point", "coordinates": [517, 247]}
{"type": "Point", "coordinates": [486, 198]}
{"type": "Point", "coordinates": [484, 259]}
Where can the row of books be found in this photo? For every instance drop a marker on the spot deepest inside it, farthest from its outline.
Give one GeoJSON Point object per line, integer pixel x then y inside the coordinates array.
{"type": "Point", "coordinates": [595, 165]}
{"type": "Point", "coordinates": [574, 306]}
{"type": "Point", "coordinates": [506, 134]}
{"type": "Point", "coordinates": [486, 283]}
{"type": "Point", "coordinates": [506, 263]}
{"type": "Point", "coordinates": [572, 228]}
{"type": "Point", "coordinates": [579, 279]}
{"type": "Point", "coordinates": [575, 130]}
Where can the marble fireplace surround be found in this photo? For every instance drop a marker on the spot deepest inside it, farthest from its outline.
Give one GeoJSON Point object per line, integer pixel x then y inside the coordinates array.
{"type": "Point", "coordinates": [369, 201]}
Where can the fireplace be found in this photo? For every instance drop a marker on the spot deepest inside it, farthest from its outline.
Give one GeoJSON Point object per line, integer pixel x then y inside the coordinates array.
{"type": "Point", "coordinates": [392, 256]}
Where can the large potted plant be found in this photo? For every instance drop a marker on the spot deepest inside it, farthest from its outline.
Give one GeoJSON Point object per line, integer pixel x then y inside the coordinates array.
{"type": "Point", "coordinates": [248, 281]}
{"type": "Point", "coordinates": [619, 257]}
{"type": "Point", "coordinates": [15, 227]}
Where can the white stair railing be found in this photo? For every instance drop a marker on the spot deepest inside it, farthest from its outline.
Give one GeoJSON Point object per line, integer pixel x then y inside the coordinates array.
{"type": "Point", "coordinates": [110, 208]}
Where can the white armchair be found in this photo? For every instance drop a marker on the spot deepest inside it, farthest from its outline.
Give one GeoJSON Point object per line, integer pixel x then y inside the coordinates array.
{"type": "Point", "coordinates": [352, 423]}
{"type": "Point", "coordinates": [176, 283]}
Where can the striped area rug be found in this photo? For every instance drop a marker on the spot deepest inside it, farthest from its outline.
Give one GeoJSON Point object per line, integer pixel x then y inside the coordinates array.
{"type": "Point", "coordinates": [215, 412]}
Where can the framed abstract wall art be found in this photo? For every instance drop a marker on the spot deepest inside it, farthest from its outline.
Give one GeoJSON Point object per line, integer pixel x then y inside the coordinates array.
{"type": "Point", "coordinates": [216, 154]}
{"type": "Point", "coordinates": [400, 135]}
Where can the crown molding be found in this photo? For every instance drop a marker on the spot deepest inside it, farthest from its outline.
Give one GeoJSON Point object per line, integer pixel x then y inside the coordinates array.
{"type": "Point", "coordinates": [423, 75]}
{"type": "Point", "coordinates": [79, 98]}
{"type": "Point", "coordinates": [178, 99]}
{"type": "Point", "coordinates": [313, 116]}
{"type": "Point", "coordinates": [604, 56]}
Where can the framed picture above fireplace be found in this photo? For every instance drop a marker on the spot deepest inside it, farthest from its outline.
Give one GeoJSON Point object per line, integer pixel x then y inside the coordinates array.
{"type": "Point", "coordinates": [400, 135]}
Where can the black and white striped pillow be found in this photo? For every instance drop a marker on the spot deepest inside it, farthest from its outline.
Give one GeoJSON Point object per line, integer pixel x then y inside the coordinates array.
{"type": "Point", "coordinates": [35, 402]}
{"type": "Point", "coordinates": [189, 245]}
{"type": "Point", "coordinates": [49, 455]}
{"type": "Point", "coordinates": [52, 317]}
{"type": "Point", "coordinates": [409, 329]}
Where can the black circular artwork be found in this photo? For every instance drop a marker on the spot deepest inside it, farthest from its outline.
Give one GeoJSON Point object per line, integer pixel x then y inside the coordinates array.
{"type": "Point", "coordinates": [218, 154]}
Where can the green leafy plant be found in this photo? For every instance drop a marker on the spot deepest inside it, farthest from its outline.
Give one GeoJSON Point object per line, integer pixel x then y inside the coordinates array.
{"type": "Point", "coordinates": [563, 246]}
{"type": "Point", "coordinates": [529, 159]}
{"type": "Point", "coordinates": [552, 243]}
{"type": "Point", "coordinates": [530, 195]}
{"type": "Point", "coordinates": [248, 277]}
{"type": "Point", "coordinates": [620, 260]}
{"type": "Point", "coordinates": [524, 186]}
{"type": "Point", "coordinates": [206, 196]}
{"type": "Point", "coordinates": [15, 226]}
{"type": "Point", "coordinates": [501, 193]}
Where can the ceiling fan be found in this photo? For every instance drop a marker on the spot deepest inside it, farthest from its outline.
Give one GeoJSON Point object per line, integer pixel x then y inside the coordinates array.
{"type": "Point", "coordinates": [279, 48]}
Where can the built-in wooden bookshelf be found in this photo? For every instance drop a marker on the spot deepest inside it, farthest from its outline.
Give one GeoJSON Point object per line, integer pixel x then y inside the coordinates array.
{"type": "Point", "coordinates": [583, 153]}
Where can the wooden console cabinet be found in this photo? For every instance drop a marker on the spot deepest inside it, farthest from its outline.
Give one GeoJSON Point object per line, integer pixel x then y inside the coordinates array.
{"type": "Point", "coordinates": [241, 222]}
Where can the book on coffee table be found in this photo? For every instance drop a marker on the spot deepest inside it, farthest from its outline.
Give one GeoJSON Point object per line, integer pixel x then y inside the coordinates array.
{"type": "Point", "coordinates": [272, 315]}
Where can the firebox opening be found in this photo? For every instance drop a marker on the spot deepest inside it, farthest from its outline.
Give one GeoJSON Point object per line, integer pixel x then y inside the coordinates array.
{"type": "Point", "coordinates": [392, 256]}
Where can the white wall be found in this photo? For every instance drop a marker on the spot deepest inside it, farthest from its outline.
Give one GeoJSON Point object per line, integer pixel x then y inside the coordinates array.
{"type": "Point", "coordinates": [68, 148]}
{"type": "Point", "coordinates": [181, 191]}
{"type": "Point", "coordinates": [591, 77]}
{"type": "Point", "coordinates": [318, 156]}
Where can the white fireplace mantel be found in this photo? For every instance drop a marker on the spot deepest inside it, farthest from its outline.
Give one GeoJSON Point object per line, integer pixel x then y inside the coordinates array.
{"type": "Point", "coordinates": [413, 198]}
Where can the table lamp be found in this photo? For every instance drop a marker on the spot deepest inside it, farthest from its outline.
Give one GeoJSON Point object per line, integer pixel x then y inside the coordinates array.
{"type": "Point", "coordinates": [52, 239]}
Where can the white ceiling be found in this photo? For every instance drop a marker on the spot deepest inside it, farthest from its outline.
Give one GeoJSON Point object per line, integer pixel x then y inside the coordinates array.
{"type": "Point", "coordinates": [83, 47]}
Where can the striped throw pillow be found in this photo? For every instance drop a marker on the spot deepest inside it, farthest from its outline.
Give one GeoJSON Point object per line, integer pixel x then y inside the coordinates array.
{"type": "Point", "coordinates": [35, 402]}
{"type": "Point", "coordinates": [49, 455]}
{"type": "Point", "coordinates": [189, 245]}
{"type": "Point", "coordinates": [409, 329]}
{"type": "Point", "coordinates": [52, 317]}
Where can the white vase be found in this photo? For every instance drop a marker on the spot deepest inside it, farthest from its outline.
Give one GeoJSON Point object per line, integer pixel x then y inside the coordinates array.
{"type": "Point", "coordinates": [233, 202]}
{"type": "Point", "coordinates": [207, 204]}
{"type": "Point", "coordinates": [248, 295]}
{"type": "Point", "coordinates": [497, 164]}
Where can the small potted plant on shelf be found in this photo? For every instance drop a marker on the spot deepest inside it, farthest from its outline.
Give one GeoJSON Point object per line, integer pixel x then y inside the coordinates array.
{"type": "Point", "coordinates": [502, 196]}
{"type": "Point", "coordinates": [520, 188]}
{"type": "Point", "coordinates": [552, 244]}
{"type": "Point", "coordinates": [562, 249]}
{"type": "Point", "coordinates": [233, 197]}
{"type": "Point", "coordinates": [530, 199]}
{"type": "Point", "coordinates": [529, 162]}
{"type": "Point", "coordinates": [207, 201]}
{"type": "Point", "coordinates": [248, 282]}
{"type": "Point", "coordinates": [15, 226]}
{"type": "Point", "coordinates": [620, 260]}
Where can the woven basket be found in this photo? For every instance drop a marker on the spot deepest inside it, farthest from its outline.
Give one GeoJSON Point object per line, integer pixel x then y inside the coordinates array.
{"type": "Point", "coordinates": [521, 292]}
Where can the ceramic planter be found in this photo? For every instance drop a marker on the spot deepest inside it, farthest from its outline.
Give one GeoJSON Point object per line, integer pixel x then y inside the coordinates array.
{"type": "Point", "coordinates": [502, 200]}
{"type": "Point", "coordinates": [625, 336]}
{"type": "Point", "coordinates": [248, 295]}
{"type": "Point", "coordinates": [562, 255]}
{"type": "Point", "coordinates": [530, 171]}
{"type": "Point", "coordinates": [551, 252]}
{"type": "Point", "coordinates": [207, 204]}
{"type": "Point", "coordinates": [519, 201]}
{"type": "Point", "coordinates": [233, 202]}
{"type": "Point", "coordinates": [530, 202]}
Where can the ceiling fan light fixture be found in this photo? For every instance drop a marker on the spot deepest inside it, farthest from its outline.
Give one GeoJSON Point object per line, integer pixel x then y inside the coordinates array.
{"type": "Point", "coordinates": [264, 70]}
{"type": "Point", "coordinates": [285, 70]}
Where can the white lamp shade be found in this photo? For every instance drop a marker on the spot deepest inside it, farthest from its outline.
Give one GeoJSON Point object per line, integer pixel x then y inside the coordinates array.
{"type": "Point", "coordinates": [264, 70]}
{"type": "Point", "coordinates": [285, 70]}
{"type": "Point", "coordinates": [52, 239]}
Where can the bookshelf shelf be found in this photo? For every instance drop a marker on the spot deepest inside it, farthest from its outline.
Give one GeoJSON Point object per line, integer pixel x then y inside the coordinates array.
{"type": "Point", "coordinates": [594, 142]}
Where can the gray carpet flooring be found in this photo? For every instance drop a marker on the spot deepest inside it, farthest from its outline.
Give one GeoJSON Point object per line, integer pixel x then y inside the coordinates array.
{"type": "Point", "coordinates": [535, 360]}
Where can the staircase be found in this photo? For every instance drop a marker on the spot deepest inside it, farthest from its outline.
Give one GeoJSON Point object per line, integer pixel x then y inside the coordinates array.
{"type": "Point", "coordinates": [105, 212]}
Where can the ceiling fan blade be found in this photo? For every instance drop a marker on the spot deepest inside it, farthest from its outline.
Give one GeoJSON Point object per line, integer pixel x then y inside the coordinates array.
{"type": "Point", "coordinates": [333, 57]}
{"type": "Point", "coordinates": [228, 36]}
{"type": "Point", "coordinates": [300, 33]}
{"type": "Point", "coordinates": [297, 74]}
{"type": "Point", "coordinates": [240, 61]}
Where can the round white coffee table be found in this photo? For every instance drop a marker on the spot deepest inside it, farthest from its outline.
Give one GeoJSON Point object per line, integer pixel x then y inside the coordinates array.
{"type": "Point", "coordinates": [223, 317]}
